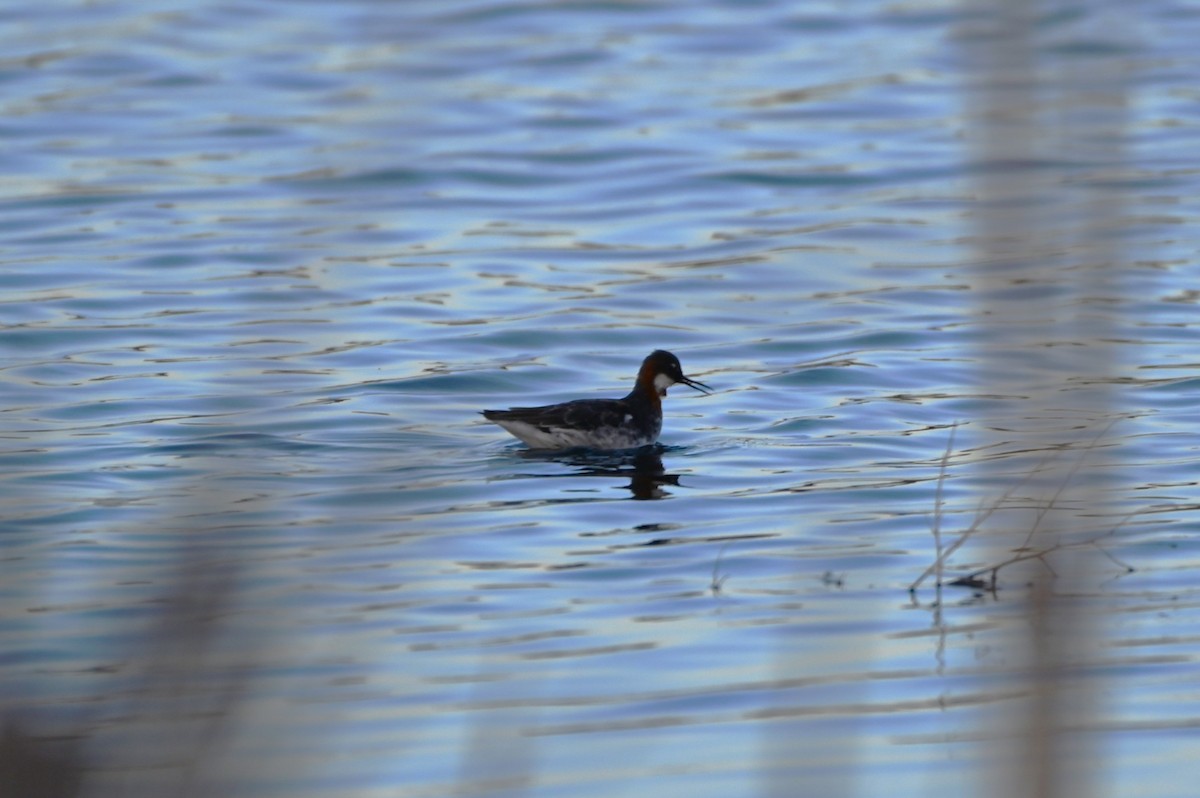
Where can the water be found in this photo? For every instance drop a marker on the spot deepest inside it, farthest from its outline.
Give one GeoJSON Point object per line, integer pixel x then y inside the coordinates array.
{"type": "Point", "coordinates": [263, 264]}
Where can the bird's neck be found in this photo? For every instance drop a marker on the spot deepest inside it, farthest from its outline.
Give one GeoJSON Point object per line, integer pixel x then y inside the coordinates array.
{"type": "Point", "coordinates": [644, 391]}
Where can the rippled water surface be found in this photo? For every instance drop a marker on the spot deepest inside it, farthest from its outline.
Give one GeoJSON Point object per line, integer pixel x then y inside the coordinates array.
{"type": "Point", "coordinates": [263, 264]}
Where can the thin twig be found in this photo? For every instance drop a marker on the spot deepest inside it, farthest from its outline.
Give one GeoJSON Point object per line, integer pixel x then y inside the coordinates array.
{"type": "Point", "coordinates": [1079, 461]}
{"type": "Point", "coordinates": [716, 583]}
{"type": "Point", "coordinates": [983, 513]}
{"type": "Point", "coordinates": [937, 499]}
{"type": "Point", "coordinates": [981, 516]}
{"type": "Point", "coordinates": [972, 578]}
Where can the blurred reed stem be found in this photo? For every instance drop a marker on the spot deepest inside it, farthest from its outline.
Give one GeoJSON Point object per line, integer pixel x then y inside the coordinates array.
{"type": "Point", "coordinates": [1046, 125]}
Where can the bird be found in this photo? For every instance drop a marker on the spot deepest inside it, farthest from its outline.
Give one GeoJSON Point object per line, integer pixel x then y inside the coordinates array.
{"type": "Point", "coordinates": [605, 424]}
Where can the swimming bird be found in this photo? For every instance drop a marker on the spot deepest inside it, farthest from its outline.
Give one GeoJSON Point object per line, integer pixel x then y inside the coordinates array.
{"type": "Point", "coordinates": [625, 423]}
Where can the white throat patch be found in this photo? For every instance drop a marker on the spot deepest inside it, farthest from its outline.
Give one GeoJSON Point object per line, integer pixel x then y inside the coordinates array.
{"type": "Point", "coordinates": [661, 383]}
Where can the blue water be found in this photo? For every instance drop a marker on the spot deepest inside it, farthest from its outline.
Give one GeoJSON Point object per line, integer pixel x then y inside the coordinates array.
{"type": "Point", "coordinates": [263, 263]}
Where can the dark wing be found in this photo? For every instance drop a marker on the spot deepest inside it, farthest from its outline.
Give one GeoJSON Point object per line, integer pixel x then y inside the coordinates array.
{"type": "Point", "coordinates": [581, 414]}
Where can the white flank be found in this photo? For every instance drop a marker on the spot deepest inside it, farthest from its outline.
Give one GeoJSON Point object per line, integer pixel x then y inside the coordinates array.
{"type": "Point", "coordinates": [609, 438]}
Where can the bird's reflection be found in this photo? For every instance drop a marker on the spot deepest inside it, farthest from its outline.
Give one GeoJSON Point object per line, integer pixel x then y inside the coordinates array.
{"type": "Point", "coordinates": [644, 467]}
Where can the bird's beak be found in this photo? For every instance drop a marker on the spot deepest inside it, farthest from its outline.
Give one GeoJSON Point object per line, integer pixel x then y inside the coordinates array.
{"type": "Point", "coordinates": [699, 386]}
